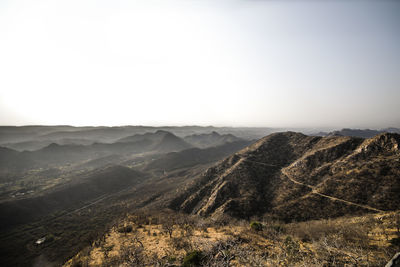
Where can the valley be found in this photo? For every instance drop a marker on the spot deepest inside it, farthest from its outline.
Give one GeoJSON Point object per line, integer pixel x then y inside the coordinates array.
{"type": "Point", "coordinates": [65, 203]}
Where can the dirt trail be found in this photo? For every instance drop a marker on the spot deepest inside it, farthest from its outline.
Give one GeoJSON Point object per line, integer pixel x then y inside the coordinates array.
{"type": "Point", "coordinates": [314, 191]}
{"type": "Point", "coordinates": [313, 188]}
{"type": "Point", "coordinates": [262, 163]}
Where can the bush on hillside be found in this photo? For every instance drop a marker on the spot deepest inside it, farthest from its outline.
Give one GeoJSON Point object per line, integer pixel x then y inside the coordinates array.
{"type": "Point", "coordinates": [125, 229]}
{"type": "Point", "coordinates": [192, 259]}
{"type": "Point", "coordinates": [256, 226]}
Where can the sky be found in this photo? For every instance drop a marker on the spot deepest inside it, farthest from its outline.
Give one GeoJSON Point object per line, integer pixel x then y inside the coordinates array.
{"type": "Point", "coordinates": [200, 62]}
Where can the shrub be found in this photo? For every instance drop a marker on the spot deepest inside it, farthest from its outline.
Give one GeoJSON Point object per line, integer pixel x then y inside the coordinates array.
{"type": "Point", "coordinates": [78, 263]}
{"type": "Point", "coordinates": [292, 248]}
{"type": "Point", "coordinates": [256, 226]}
{"type": "Point", "coordinates": [223, 220]}
{"type": "Point", "coordinates": [125, 229]}
{"type": "Point", "coordinates": [278, 228]}
{"type": "Point", "coordinates": [395, 241]}
{"type": "Point", "coordinates": [50, 237]}
{"type": "Point", "coordinates": [171, 259]}
{"type": "Point", "coordinates": [181, 243]}
{"type": "Point", "coordinates": [192, 259]}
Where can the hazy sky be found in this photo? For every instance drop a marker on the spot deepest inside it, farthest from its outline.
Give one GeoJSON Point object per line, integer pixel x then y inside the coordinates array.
{"type": "Point", "coordinates": [168, 62]}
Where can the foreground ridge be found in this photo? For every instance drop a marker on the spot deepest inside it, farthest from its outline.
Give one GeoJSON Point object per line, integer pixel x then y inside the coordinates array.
{"type": "Point", "coordinates": [326, 177]}
{"type": "Point", "coordinates": [313, 188]}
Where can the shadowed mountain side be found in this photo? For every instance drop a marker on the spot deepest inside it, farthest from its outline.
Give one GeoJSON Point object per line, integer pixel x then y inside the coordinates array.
{"type": "Point", "coordinates": [194, 156]}
{"type": "Point", "coordinates": [54, 154]}
{"type": "Point", "coordinates": [170, 143]}
{"type": "Point", "coordinates": [88, 187]}
{"type": "Point", "coordinates": [287, 175]}
{"type": "Point", "coordinates": [155, 137]}
{"type": "Point", "coordinates": [11, 160]}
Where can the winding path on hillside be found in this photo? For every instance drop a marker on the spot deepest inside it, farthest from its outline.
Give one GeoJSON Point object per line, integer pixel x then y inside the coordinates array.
{"type": "Point", "coordinates": [313, 188]}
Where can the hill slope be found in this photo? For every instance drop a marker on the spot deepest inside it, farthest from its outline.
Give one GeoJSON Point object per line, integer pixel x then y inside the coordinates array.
{"type": "Point", "coordinates": [193, 156]}
{"type": "Point", "coordinates": [298, 177]}
{"type": "Point", "coordinates": [95, 184]}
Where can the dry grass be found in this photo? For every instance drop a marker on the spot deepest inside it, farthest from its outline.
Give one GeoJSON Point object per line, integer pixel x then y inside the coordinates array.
{"type": "Point", "coordinates": [352, 241]}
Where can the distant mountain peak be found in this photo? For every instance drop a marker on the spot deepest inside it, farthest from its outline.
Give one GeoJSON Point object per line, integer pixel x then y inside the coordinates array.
{"type": "Point", "coordinates": [162, 132]}
{"type": "Point", "coordinates": [53, 145]}
{"type": "Point", "coordinates": [380, 142]}
{"type": "Point", "coordinates": [170, 142]}
{"type": "Point", "coordinates": [211, 139]}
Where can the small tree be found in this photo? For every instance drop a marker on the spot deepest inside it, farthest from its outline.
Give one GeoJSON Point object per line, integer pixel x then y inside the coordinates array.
{"type": "Point", "coordinates": [133, 254]}
{"type": "Point", "coordinates": [168, 227]}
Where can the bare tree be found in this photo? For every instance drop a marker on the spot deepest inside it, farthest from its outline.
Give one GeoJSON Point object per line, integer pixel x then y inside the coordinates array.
{"type": "Point", "coordinates": [168, 227]}
{"type": "Point", "coordinates": [133, 253]}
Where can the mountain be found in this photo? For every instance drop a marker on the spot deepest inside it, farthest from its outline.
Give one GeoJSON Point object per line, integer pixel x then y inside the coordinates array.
{"type": "Point", "coordinates": [162, 141]}
{"type": "Point", "coordinates": [55, 154]}
{"type": "Point", "coordinates": [296, 177]}
{"type": "Point", "coordinates": [363, 133]}
{"type": "Point", "coordinates": [193, 156]}
{"type": "Point", "coordinates": [104, 134]}
{"type": "Point", "coordinates": [154, 137]}
{"type": "Point", "coordinates": [211, 139]}
{"type": "Point", "coordinates": [170, 143]}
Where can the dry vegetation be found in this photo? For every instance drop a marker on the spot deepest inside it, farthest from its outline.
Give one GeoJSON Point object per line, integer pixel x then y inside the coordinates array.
{"type": "Point", "coordinates": [171, 239]}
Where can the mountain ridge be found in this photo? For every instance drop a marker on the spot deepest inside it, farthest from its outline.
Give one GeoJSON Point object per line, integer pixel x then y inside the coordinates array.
{"type": "Point", "coordinates": [323, 166]}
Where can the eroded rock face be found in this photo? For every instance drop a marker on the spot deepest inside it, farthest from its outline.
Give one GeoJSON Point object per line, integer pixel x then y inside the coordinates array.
{"type": "Point", "coordinates": [290, 176]}
{"type": "Point", "coordinates": [382, 143]}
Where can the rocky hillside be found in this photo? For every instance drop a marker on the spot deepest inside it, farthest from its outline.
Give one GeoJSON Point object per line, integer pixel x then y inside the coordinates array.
{"type": "Point", "coordinates": [297, 177]}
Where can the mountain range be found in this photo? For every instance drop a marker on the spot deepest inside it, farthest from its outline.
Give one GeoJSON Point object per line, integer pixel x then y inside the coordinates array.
{"type": "Point", "coordinates": [363, 133]}
{"type": "Point", "coordinates": [73, 191]}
